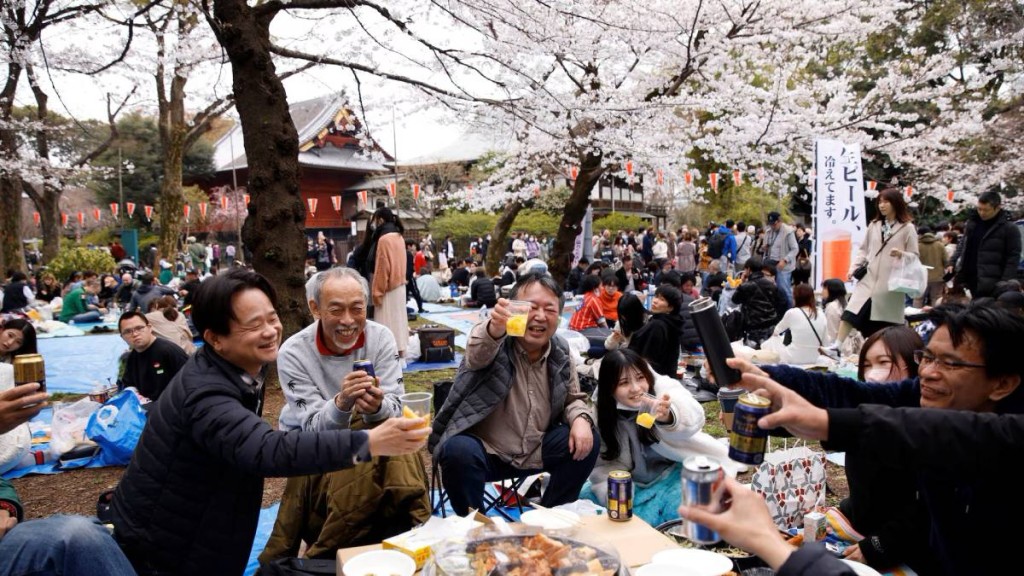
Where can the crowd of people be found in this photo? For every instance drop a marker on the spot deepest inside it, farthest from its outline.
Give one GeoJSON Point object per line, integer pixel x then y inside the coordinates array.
{"type": "Point", "coordinates": [930, 421]}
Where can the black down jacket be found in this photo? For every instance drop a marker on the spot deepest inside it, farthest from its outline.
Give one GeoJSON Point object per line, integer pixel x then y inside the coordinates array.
{"type": "Point", "coordinates": [998, 254]}
{"type": "Point", "coordinates": [761, 304]}
{"type": "Point", "coordinates": [189, 501]}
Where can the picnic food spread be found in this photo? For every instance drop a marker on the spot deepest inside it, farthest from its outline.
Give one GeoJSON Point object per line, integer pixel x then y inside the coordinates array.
{"type": "Point", "coordinates": [539, 555]}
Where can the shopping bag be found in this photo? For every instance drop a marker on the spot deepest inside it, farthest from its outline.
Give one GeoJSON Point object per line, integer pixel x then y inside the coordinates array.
{"type": "Point", "coordinates": [116, 427]}
{"type": "Point", "coordinates": [68, 428]}
{"type": "Point", "coordinates": [792, 482]}
{"type": "Point", "coordinates": [908, 276]}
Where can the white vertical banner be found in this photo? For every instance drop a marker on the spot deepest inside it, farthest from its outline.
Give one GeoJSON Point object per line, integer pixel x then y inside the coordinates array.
{"type": "Point", "coordinates": [840, 222]}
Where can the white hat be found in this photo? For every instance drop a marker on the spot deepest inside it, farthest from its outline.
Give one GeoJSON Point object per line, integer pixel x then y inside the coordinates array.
{"type": "Point", "coordinates": [751, 229]}
{"type": "Point", "coordinates": [164, 263]}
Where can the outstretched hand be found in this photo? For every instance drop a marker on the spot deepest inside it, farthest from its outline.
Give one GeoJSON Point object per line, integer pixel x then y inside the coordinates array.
{"type": "Point", "coordinates": [396, 436]}
{"type": "Point", "coordinates": [789, 410]}
{"type": "Point", "coordinates": [745, 523]}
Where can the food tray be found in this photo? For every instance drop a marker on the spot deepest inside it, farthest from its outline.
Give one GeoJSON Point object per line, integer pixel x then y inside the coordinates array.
{"type": "Point", "coordinates": [535, 554]}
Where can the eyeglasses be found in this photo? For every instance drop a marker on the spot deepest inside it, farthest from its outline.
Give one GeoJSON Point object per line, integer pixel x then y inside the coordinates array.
{"type": "Point", "coordinates": [923, 357]}
{"type": "Point", "coordinates": [128, 332]}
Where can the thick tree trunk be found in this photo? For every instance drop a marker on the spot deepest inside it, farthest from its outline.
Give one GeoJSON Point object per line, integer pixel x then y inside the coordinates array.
{"type": "Point", "coordinates": [274, 229]}
{"type": "Point", "coordinates": [572, 220]}
{"type": "Point", "coordinates": [12, 254]}
{"type": "Point", "coordinates": [172, 200]}
{"type": "Point", "coordinates": [495, 253]}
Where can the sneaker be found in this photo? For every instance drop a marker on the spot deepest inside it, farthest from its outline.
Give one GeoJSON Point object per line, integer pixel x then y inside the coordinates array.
{"type": "Point", "coordinates": [832, 351]}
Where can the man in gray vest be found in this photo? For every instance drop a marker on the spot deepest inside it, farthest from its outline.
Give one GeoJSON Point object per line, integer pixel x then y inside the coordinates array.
{"type": "Point", "coordinates": [516, 407]}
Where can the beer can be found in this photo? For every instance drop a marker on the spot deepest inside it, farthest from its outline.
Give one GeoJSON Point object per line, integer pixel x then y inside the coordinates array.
{"type": "Point", "coordinates": [814, 527]}
{"type": "Point", "coordinates": [702, 488]}
{"type": "Point", "coordinates": [365, 366]}
{"type": "Point", "coordinates": [717, 348]}
{"type": "Point", "coordinates": [620, 495]}
{"type": "Point", "coordinates": [30, 368]}
{"type": "Point", "coordinates": [747, 440]}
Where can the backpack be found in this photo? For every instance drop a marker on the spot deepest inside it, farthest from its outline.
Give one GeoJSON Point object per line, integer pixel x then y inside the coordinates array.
{"type": "Point", "coordinates": [716, 245]}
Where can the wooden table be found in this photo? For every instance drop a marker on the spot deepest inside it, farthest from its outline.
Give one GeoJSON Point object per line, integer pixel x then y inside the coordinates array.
{"type": "Point", "coordinates": [635, 541]}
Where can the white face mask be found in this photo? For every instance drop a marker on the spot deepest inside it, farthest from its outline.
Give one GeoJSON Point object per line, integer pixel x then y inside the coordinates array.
{"type": "Point", "coordinates": [877, 374]}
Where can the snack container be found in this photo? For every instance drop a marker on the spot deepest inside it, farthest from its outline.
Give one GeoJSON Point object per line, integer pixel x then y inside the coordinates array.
{"type": "Point", "coordinates": [814, 527]}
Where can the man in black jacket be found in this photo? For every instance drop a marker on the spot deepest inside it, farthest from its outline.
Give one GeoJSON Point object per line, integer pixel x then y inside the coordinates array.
{"type": "Point", "coordinates": [990, 249]}
{"type": "Point", "coordinates": [482, 291]}
{"type": "Point", "coordinates": [761, 300]}
{"type": "Point", "coordinates": [572, 283]}
{"type": "Point", "coordinates": [190, 499]}
{"type": "Point", "coordinates": [628, 276]}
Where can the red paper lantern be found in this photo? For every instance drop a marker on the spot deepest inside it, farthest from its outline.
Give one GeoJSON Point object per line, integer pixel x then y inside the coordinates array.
{"type": "Point", "coordinates": [393, 189]}
{"type": "Point", "coordinates": [363, 197]}
{"type": "Point", "coordinates": [910, 192]}
{"type": "Point", "coordinates": [574, 171]}
{"type": "Point", "coordinates": [224, 202]}
{"type": "Point", "coordinates": [950, 195]}
{"type": "Point", "coordinates": [688, 177]}
{"type": "Point", "coordinates": [336, 202]}
{"type": "Point", "coordinates": [188, 211]}
{"type": "Point", "coordinates": [713, 178]}
{"type": "Point", "coordinates": [737, 177]}
{"type": "Point", "coordinates": [247, 198]}
{"type": "Point", "coordinates": [63, 219]}
{"type": "Point", "coordinates": [36, 218]}
{"type": "Point", "coordinates": [129, 207]}
{"type": "Point", "coordinates": [416, 192]}
{"type": "Point", "coordinates": [81, 218]}
{"type": "Point", "coordinates": [96, 214]}
{"type": "Point", "coordinates": [114, 209]}
{"type": "Point", "coordinates": [149, 212]}
{"type": "Point", "coordinates": [661, 177]}
{"type": "Point", "coordinates": [872, 185]}
{"type": "Point", "coordinates": [312, 202]}
{"type": "Point", "coordinates": [202, 209]}
{"type": "Point", "coordinates": [629, 168]}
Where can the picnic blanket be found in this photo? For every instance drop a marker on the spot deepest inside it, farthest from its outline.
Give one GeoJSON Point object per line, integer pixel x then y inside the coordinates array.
{"type": "Point", "coordinates": [77, 365]}
{"type": "Point", "coordinates": [264, 527]}
{"type": "Point", "coordinates": [423, 366]}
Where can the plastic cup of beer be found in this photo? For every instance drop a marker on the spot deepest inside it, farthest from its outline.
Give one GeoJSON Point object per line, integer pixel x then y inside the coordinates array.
{"type": "Point", "coordinates": [417, 405]}
{"type": "Point", "coordinates": [518, 314]}
{"type": "Point", "coordinates": [648, 412]}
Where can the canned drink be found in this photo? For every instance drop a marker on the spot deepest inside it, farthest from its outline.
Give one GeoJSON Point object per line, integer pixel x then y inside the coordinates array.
{"type": "Point", "coordinates": [30, 368]}
{"type": "Point", "coordinates": [814, 527]}
{"type": "Point", "coordinates": [620, 495]}
{"type": "Point", "coordinates": [365, 366]}
{"type": "Point", "coordinates": [702, 488]}
{"type": "Point", "coordinates": [747, 440]}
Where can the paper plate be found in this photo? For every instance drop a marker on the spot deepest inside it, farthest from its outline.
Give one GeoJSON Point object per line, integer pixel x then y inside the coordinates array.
{"type": "Point", "coordinates": [379, 562]}
{"type": "Point", "coordinates": [696, 562]}
{"type": "Point", "coordinates": [862, 569]}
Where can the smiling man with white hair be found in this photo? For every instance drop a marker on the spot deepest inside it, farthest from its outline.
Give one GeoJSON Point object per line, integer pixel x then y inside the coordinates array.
{"type": "Point", "coordinates": [372, 500]}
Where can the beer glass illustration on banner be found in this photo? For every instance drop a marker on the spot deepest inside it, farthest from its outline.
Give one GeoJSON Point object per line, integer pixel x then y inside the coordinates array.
{"type": "Point", "coordinates": [836, 252]}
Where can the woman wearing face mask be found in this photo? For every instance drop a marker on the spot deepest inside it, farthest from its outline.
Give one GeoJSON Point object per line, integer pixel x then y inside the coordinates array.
{"type": "Point", "coordinates": [888, 355]}
{"type": "Point", "coordinates": [652, 455]}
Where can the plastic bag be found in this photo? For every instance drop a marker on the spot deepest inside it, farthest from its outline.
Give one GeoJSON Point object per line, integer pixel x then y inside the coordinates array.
{"type": "Point", "coordinates": [68, 428]}
{"type": "Point", "coordinates": [792, 482]}
{"type": "Point", "coordinates": [412, 352]}
{"type": "Point", "coordinates": [116, 427]}
{"type": "Point", "coordinates": [908, 276]}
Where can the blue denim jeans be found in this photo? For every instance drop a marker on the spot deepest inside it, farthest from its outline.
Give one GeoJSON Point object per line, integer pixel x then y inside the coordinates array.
{"type": "Point", "coordinates": [87, 317]}
{"type": "Point", "coordinates": [784, 280]}
{"type": "Point", "coordinates": [466, 465]}
{"type": "Point", "coordinates": [59, 545]}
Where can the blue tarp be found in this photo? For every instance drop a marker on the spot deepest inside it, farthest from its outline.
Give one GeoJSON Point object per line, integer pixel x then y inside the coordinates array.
{"type": "Point", "coordinates": [40, 426]}
{"type": "Point", "coordinates": [77, 365]}
{"type": "Point", "coordinates": [263, 529]}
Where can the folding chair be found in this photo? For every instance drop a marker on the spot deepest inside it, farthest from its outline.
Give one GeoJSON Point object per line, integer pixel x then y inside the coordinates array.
{"type": "Point", "coordinates": [437, 505]}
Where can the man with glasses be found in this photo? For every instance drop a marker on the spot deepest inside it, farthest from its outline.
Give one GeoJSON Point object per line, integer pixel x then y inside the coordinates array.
{"type": "Point", "coordinates": [972, 363]}
{"type": "Point", "coordinates": [152, 361]}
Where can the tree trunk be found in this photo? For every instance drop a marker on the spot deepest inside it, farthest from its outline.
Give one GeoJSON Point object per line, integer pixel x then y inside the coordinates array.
{"type": "Point", "coordinates": [12, 254]}
{"type": "Point", "coordinates": [495, 254]}
{"type": "Point", "coordinates": [273, 232]}
{"type": "Point", "coordinates": [172, 200]}
{"type": "Point", "coordinates": [575, 209]}
{"type": "Point", "coordinates": [49, 221]}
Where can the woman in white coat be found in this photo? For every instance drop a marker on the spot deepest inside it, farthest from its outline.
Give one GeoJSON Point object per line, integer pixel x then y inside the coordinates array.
{"type": "Point", "coordinates": [651, 455]}
{"type": "Point", "coordinates": [806, 325]}
{"type": "Point", "coordinates": [872, 306]}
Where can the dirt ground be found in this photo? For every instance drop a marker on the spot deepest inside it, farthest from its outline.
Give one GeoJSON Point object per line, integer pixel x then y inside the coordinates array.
{"type": "Point", "coordinates": [75, 492]}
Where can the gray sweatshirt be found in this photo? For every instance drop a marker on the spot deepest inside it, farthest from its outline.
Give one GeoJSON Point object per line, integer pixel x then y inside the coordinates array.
{"type": "Point", "coordinates": [310, 380]}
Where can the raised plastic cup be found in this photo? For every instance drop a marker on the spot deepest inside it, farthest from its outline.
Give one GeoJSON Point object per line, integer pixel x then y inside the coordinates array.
{"type": "Point", "coordinates": [417, 405]}
{"type": "Point", "coordinates": [647, 415]}
{"type": "Point", "coordinates": [519, 313]}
